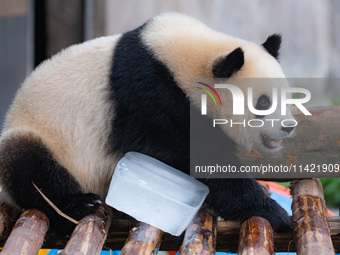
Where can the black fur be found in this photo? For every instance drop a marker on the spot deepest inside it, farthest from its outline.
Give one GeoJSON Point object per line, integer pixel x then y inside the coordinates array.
{"type": "Point", "coordinates": [228, 65]}
{"type": "Point", "coordinates": [149, 106]}
{"type": "Point", "coordinates": [24, 159]}
{"type": "Point", "coordinates": [272, 45]}
{"type": "Point", "coordinates": [152, 117]}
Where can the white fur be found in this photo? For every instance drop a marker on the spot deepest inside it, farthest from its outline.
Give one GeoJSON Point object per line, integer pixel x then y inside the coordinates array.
{"type": "Point", "coordinates": [65, 102]}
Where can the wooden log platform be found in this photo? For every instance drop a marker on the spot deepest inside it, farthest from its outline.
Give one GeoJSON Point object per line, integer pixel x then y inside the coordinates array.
{"type": "Point", "coordinates": [227, 237]}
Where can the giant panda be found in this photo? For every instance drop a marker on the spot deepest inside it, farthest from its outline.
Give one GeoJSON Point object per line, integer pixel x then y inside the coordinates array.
{"type": "Point", "coordinates": [79, 112]}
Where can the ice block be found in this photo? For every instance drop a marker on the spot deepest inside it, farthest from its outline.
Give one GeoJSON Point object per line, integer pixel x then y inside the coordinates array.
{"type": "Point", "coordinates": [155, 193]}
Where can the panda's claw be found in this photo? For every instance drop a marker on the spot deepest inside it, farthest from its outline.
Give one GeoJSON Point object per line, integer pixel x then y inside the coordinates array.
{"type": "Point", "coordinates": [77, 206]}
{"type": "Point", "coordinates": [98, 201]}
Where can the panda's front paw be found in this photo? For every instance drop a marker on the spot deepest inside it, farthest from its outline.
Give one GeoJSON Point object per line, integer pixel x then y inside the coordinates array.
{"type": "Point", "coordinates": [277, 216]}
{"type": "Point", "coordinates": [76, 206]}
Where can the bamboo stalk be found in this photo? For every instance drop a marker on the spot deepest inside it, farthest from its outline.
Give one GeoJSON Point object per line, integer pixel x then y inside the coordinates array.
{"type": "Point", "coordinates": [256, 237]}
{"type": "Point", "coordinates": [90, 234]}
{"type": "Point", "coordinates": [200, 235]}
{"type": "Point", "coordinates": [28, 234]}
{"type": "Point", "coordinates": [143, 239]}
{"type": "Point", "coordinates": [312, 234]}
{"type": "Point", "coordinates": [256, 234]}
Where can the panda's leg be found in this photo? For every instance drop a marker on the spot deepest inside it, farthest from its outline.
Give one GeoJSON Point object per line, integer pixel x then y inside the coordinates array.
{"type": "Point", "coordinates": [240, 199]}
{"type": "Point", "coordinates": [25, 160]}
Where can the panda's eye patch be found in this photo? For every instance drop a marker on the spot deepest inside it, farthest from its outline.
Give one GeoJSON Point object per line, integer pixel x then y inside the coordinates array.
{"type": "Point", "coordinates": [263, 103]}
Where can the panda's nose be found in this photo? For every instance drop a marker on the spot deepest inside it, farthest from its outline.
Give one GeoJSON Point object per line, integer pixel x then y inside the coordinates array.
{"type": "Point", "coordinates": [287, 129]}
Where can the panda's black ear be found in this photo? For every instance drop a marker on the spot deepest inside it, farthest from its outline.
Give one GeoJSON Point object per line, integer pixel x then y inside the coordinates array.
{"type": "Point", "coordinates": [272, 45]}
{"type": "Point", "coordinates": [224, 67]}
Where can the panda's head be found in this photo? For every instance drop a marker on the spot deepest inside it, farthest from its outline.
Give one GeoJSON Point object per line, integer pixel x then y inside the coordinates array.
{"type": "Point", "coordinates": [192, 50]}
{"type": "Point", "coordinates": [255, 67]}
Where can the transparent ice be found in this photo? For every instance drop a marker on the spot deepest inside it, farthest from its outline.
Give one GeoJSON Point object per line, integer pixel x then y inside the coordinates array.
{"type": "Point", "coordinates": [155, 193]}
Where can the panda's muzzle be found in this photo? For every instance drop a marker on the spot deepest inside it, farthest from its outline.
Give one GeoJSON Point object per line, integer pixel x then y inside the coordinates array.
{"type": "Point", "coordinates": [271, 143]}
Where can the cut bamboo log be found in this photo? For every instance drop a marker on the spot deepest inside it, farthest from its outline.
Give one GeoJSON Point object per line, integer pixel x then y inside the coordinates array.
{"type": "Point", "coordinates": [143, 239]}
{"type": "Point", "coordinates": [200, 235]}
{"type": "Point", "coordinates": [28, 234]}
{"type": "Point", "coordinates": [256, 237]}
{"type": "Point", "coordinates": [312, 234]}
{"type": "Point", "coordinates": [256, 234]}
{"type": "Point", "coordinates": [90, 234]}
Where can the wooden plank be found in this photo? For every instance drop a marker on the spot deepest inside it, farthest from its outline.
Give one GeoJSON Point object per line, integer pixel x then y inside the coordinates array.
{"type": "Point", "coordinates": [200, 236]}
{"type": "Point", "coordinates": [90, 234]}
{"type": "Point", "coordinates": [312, 234]}
{"type": "Point", "coordinates": [28, 234]}
{"type": "Point", "coordinates": [144, 239]}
